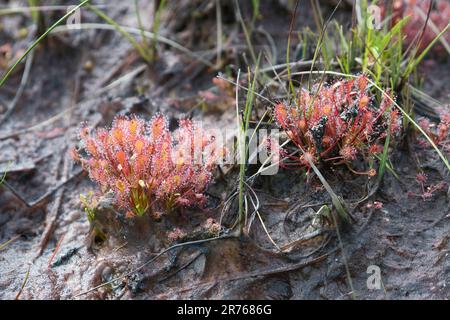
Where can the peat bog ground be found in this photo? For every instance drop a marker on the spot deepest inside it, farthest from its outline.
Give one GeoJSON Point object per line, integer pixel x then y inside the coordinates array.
{"type": "Point", "coordinates": [91, 75]}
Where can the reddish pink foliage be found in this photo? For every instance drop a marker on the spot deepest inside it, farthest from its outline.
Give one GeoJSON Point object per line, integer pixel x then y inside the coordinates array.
{"type": "Point", "coordinates": [417, 11]}
{"type": "Point", "coordinates": [148, 168]}
{"type": "Point", "coordinates": [340, 123]}
{"type": "Point", "coordinates": [378, 205]}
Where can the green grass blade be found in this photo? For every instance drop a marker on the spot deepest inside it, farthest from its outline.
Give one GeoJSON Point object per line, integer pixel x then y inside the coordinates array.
{"type": "Point", "coordinates": [156, 25]}
{"type": "Point", "coordinates": [128, 36]}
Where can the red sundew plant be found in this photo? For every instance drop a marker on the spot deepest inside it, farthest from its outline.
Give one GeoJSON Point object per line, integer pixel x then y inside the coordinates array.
{"type": "Point", "coordinates": [417, 11]}
{"type": "Point", "coordinates": [427, 191]}
{"type": "Point", "coordinates": [148, 168]}
{"type": "Point", "coordinates": [337, 124]}
{"type": "Point", "coordinates": [439, 133]}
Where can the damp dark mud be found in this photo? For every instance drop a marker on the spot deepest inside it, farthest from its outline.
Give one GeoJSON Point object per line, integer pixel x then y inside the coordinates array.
{"type": "Point", "coordinates": [93, 75]}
